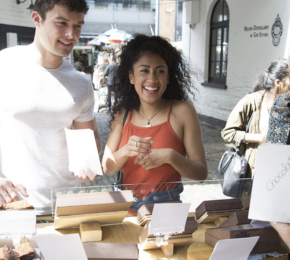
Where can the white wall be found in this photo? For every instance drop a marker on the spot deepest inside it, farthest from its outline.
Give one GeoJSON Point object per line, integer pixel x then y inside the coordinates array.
{"type": "Point", "coordinates": [248, 56]}
{"type": "Point", "coordinates": [14, 14]}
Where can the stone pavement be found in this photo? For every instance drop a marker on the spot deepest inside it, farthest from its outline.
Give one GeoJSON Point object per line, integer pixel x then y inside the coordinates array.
{"type": "Point", "coordinates": [214, 148]}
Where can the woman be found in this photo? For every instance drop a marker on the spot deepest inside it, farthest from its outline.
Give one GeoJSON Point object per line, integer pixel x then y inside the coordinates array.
{"type": "Point", "coordinates": [160, 140]}
{"type": "Point", "coordinates": [257, 105]}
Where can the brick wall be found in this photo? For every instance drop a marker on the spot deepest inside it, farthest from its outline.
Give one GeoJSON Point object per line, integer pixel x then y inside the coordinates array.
{"type": "Point", "coordinates": [167, 21]}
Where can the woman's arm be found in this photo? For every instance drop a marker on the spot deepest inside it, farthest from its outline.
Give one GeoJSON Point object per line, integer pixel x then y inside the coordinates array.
{"type": "Point", "coordinates": [114, 159]}
{"type": "Point", "coordinates": [186, 125]}
{"type": "Point", "coordinates": [284, 231]}
{"type": "Point", "coordinates": [194, 166]}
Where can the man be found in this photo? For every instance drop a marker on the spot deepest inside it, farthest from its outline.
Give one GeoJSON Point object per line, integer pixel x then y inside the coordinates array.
{"type": "Point", "coordinates": [110, 72]}
{"type": "Point", "coordinates": [41, 94]}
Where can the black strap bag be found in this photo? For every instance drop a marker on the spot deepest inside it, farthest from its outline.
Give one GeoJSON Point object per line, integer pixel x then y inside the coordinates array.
{"type": "Point", "coordinates": [232, 169]}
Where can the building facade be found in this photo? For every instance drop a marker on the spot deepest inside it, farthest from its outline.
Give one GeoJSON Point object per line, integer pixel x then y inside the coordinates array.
{"type": "Point", "coordinates": [133, 16]}
{"type": "Point", "coordinates": [228, 44]}
{"type": "Point", "coordinates": [16, 27]}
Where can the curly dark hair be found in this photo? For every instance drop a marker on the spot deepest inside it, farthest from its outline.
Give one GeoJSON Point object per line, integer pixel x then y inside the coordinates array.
{"type": "Point", "coordinates": [180, 82]}
{"type": "Point", "coordinates": [43, 6]}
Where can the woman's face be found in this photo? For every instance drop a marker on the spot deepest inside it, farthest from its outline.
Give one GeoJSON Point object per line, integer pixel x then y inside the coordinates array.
{"type": "Point", "coordinates": [150, 77]}
{"type": "Point", "coordinates": [286, 85]}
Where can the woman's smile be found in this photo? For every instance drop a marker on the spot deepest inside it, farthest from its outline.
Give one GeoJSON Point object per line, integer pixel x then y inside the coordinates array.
{"type": "Point", "coordinates": [150, 76]}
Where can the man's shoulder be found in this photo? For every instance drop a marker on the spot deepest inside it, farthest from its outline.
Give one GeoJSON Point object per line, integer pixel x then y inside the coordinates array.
{"type": "Point", "coordinates": [13, 51]}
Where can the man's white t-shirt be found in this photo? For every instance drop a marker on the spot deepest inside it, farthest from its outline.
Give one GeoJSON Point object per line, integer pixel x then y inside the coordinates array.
{"type": "Point", "coordinates": [36, 104]}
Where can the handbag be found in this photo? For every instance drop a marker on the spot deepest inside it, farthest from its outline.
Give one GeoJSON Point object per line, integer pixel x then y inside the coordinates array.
{"type": "Point", "coordinates": [231, 169]}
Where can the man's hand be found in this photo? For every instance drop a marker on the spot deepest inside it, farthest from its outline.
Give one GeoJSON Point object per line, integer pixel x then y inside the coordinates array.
{"type": "Point", "coordinates": [8, 193]}
{"type": "Point", "coordinates": [85, 175]}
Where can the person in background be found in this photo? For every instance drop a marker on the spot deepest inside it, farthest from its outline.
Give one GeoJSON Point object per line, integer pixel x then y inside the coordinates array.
{"type": "Point", "coordinates": [48, 96]}
{"type": "Point", "coordinates": [257, 105]}
{"type": "Point", "coordinates": [161, 140]}
{"type": "Point", "coordinates": [102, 63]}
{"type": "Point", "coordinates": [110, 73]}
{"type": "Point", "coordinates": [78, 66]}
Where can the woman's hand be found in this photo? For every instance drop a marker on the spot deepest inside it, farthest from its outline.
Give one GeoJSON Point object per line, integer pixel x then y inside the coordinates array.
{"type": "Point", "coordinates": [138, 146]}
{"type": "Point", "coordinates": [156, 158]}
{"type": "Point", "coordinates": [284, 231]}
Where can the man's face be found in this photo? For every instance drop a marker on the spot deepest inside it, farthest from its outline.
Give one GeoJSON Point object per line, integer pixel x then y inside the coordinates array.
{"type": "Point", "coordinates": [59, 32]}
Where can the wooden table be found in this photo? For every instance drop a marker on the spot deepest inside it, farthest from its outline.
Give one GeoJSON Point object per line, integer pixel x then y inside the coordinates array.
{"type": "Point", "coordinates": [128, 233]}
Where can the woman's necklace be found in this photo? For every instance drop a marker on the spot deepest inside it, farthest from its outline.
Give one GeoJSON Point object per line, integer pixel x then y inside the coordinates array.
{"type": "Point", "coordinates": [148, 120]}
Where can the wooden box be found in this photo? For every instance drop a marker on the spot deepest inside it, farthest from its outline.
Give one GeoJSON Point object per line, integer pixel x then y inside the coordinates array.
{"type": "Point", "coordinates": [269, 239]}
{"type": "Point", "coordinates": [103, 207]}
{"type": "Point", "coordinates": [237, 218]}
{"type": "Point", "coordinates": [218, 205]}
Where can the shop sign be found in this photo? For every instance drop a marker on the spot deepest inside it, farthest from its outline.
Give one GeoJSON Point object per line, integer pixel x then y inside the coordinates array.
{"type": "Point", "coordinates": [263, 31]}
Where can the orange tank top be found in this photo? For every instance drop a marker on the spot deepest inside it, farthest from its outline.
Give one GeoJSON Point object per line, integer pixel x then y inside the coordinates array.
{"type": "Point", "coordinates": [163, 136]}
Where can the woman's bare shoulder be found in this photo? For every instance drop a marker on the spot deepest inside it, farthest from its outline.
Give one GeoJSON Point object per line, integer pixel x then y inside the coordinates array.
{"type": "Point", "coordinates": [119, 117]}
{"type": "Point", "coordinates": [183, 108]}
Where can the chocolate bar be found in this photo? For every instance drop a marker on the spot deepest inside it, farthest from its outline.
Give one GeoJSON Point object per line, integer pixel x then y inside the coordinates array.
{"type": "Point", "coordinates": [269, 239]}
{"type": "Point", "coordinates": [237, 218]}
{"type": "Point", "coordinates": [218, 205]}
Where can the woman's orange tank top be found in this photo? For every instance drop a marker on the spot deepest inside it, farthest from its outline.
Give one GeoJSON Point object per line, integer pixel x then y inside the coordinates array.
{"type": "Point", "coordinates": [163, 136]}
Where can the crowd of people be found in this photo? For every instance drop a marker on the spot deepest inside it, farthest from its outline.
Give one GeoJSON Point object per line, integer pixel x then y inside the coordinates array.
{"type": "Point", "coordinates": [155, 135]}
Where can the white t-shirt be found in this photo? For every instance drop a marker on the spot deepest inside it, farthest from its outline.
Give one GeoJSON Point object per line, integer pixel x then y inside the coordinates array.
{"type": "Point", "coordinates": [36, 104]}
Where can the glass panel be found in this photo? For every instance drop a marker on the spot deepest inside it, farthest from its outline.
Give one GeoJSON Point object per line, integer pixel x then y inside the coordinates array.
{"type": "Point", "coordinates": [213, 53]}
{"type": "Point", "coordinates": [226, 12]}
{"type": "Point", "coordinates": [218, 13]}
{"type": "Point", "coordinates": [225, 45]}
{"type": "Point", "coordinates": [193, 192]}
{"type": "Point", "coordinates": [217, 70]}
{"type": "Point", "coordinates": [212, 69]}
{"type": "Point", "coordinates": [225, 35]}
{"type": "Point", "coordinates": [219, 37]}
{"type": "Point", "coordinates": [224, 71]}
{"type": "Point", "coordinates": [180, 6]}
{"type": "Point", "coordinates": [213, 36]}
{"type": "Point", "coordinates": [218, 53]}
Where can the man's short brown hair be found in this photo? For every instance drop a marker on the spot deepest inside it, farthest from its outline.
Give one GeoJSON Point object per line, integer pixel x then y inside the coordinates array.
{"type": "Point", "coordinates": [43, 6]}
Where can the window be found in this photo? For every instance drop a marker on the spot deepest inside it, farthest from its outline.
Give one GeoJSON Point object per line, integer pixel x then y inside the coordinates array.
{"type": "Point", "coordinates": [219, 39]}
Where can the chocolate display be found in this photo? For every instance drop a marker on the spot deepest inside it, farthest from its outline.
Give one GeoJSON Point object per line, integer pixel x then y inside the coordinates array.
{"type": "Point", "coordinates": [269, 239]}
{"type": "Point", "coordinates": [190, 227]}
{"type": "Point", "coordinates": [218, 205]}
{"type": "Point", "coordinates": [25, 251]}
{"type": "Point", "coordinates": [6, 253]}
{"type": "Point", "coordinates": [18, 205]}
{"type": "Point", "coordinates": [246, 202]}
{"type": "Point", "coordinates": [237, 218]}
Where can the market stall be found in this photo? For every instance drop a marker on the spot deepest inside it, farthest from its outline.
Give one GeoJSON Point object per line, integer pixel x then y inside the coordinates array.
{"type": "Point", "coordinates": [81, 208]}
